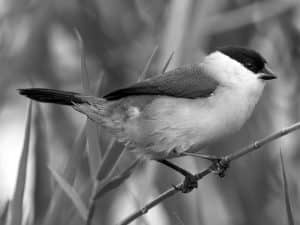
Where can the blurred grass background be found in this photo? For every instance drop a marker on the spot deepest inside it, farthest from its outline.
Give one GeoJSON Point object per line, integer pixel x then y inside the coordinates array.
{"type": "Point", "coordinates": [39, 48]}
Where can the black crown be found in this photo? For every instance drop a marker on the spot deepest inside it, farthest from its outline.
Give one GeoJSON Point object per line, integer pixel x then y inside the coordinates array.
{"type": "Point", "coordinates": [251, 59]}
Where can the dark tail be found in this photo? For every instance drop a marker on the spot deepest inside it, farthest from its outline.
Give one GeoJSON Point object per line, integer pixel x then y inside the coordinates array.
{"type": "Point", "coordinates": [52, 96]}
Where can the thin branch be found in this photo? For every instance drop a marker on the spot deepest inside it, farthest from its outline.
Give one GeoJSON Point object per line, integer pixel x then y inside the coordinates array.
{"type": "Point", "coordinates": [225, 160]}
{"type": "Point", "coordinates": [256, 145]}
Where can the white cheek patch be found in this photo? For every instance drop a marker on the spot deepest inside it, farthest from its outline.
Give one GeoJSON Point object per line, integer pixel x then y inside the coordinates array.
{"type": "Point", "coordinates": [227, 70]}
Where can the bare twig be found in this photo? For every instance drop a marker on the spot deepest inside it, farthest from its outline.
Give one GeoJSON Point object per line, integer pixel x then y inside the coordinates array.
{"type": "Point", "coordinates": [165, 195]}
{"type": "Point", "coordinates": [256, 145]}
{"type": "Point", "coordinates": [225, 160]}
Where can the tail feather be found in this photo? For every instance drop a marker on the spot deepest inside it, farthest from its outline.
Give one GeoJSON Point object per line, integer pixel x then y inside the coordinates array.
{"type": "Point", "coordinates": [52, 96]}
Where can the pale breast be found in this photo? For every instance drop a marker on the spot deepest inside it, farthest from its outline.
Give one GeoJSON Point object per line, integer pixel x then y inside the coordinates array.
{"type": "Point", "coordinates": [168, 124]}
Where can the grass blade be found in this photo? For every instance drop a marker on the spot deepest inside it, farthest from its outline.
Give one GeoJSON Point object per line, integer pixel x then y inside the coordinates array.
{"type": "Point", "coordinates": [16, 206]}
{"type": "Point", "coordinates": [91, 128]}
{"type": "Point", "coordinates": [115, 181]}
{"type": "Point", "coordinates": [72, 194]}
{"type": "Point", "coordinates": [42, 183]}
{"type": "Point", "coordinates": [58, 198]}
{"type": "Point", "coordinates": [108, 183]}
{"type": "Point", "coordinates": [146, 68]}
{"type": "Point", "coordinates": [84, 71]}
{"type": "Point", "coordinates": [106, 168]}
{"type": "Point", "coordinates": [167, 63]}
{"type": "Point", "coordinates": [288, 207]}
{"type": "Point", "coordinates": [93, 146]}
{"type": "Point", "coordinates": [110, 160]}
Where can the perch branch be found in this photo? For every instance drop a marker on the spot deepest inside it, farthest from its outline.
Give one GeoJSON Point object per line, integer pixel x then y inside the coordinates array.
{"type": "Point", "coordinates": [225, 160]}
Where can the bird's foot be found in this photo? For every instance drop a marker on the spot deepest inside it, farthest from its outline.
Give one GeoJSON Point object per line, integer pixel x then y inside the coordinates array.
{"type": "Point", "coordinates": [220, 164]}
{"type": "Point", "coordinates": [190, 182]}
{"type": "Point", "coordinates": [219, 167]}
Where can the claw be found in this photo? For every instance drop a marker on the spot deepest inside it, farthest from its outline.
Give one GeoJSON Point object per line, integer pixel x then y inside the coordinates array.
{"type": "Point", "coordinates": [220, 163]}
{"type": "Point", "coordinates": [190, 182]}
{"type": "Point", "coordinates": [220, 167]}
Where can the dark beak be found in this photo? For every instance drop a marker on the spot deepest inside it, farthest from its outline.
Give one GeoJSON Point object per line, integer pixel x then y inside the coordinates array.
{"type": "Point", "coordinates": [266, 74]}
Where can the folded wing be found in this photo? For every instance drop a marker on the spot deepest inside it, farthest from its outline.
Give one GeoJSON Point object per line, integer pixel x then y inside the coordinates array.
{"type": "Point", "coordinates": [185, 82]}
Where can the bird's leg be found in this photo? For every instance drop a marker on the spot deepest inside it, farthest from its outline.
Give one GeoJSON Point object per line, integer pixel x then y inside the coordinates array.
{"type": "Point", "coordinates": [190, 181]}
{"type": "Point", "coordinates": [219, 166]}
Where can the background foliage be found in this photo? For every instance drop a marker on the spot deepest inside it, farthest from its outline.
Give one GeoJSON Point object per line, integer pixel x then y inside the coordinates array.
{"type": "Point", "coordinates": [40, 48]}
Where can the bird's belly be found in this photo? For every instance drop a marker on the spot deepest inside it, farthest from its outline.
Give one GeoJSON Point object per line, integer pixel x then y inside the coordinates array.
{"type": "Point", "coordinates": [166, 125]}
{"type": "Point", "coordinates": [169, 126]}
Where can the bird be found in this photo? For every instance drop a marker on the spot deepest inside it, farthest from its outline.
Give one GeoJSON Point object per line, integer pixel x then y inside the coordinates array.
{"type": "Point", "coordinates": [180, 111]}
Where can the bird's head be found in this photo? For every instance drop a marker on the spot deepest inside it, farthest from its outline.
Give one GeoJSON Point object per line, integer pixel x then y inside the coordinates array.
{"type": "Point", "coordinates": [251, 60]}
{"type": "Point", "coordinates": [237, 66]}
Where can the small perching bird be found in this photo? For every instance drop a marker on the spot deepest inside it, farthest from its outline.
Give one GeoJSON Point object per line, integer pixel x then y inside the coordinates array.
{"type": "Point", "coordinates": [185, 109]}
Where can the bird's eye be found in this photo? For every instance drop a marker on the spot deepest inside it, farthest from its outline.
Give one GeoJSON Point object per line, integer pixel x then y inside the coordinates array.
{"type": "Point", "coordinates": [249, 65]}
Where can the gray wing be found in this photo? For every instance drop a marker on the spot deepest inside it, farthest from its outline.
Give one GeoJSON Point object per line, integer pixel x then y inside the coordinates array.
{"type": "Point", "coordinates": [184, 82]}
